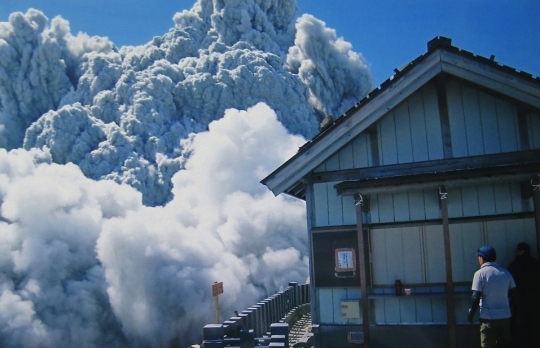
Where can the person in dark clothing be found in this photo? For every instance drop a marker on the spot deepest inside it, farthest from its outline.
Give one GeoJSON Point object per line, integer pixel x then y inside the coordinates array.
{"type": "Point", "coordinates": [525, 270]}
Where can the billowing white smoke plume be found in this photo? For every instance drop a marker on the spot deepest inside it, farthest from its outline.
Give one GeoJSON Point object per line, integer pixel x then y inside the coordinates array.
{"type": "Point", "coordinates": [120, 113]}
{"type": "Point", "coordinates": [84, 263]}
{"type": "Point", "coordinates": [128, 261]}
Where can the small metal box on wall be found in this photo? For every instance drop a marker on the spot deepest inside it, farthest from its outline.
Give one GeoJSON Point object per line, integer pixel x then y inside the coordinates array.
{"type": "Point", "coordinates": [350, 309]}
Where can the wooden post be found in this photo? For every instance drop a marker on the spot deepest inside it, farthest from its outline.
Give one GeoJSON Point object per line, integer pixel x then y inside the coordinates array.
{"type": "Point", "coordinates": [217, 288]}
{"type": "Point", "coordinates": [358, 200]}
{"type": "Point", "coordinates": [535, 183]}
{"type": "Point", "coordinates": [450, 298]}
{"type": "Point", "coordinates": [216, 308]}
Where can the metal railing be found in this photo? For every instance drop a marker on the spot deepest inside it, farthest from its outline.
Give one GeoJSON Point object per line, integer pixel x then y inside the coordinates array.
{"type": "Point", "coordinates": [268, 321]}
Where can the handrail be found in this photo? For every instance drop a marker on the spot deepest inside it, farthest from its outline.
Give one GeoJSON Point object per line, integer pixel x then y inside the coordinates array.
{"type": "Point", "coordinates": [254, 325]}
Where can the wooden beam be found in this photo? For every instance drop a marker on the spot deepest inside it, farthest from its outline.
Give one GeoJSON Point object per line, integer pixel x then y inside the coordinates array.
{"type": "Point", "coordinates": [483, 163]}
{"type": "Point", "coordinates": [362, 256]}
{"type": "Point", "coordinates": [348, 189]}
{"type": "Point", "coordinates": [442, 100]}
{"type": "Point", "coordinates": [450, 298]}
{"type": "Point", "coordinates": [310, 207]}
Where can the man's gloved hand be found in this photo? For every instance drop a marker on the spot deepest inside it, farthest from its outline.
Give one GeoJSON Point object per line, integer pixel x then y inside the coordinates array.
{"type": "Point", "coordinates": [470, 316]}
{"type": "Point", "coordinates": [475, 301]}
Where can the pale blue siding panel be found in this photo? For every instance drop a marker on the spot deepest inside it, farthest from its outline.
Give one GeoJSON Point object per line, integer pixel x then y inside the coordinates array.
{"type": "Point", "coordinates": [361, 153]}
{"type": "Point", "coordinates": [465, 239]}
{"type": "Point", "coordinates": [374, 209]}
{"type": "Point", "coordinates": [432, 206]}
{"type": "Point", "coordinates": [496, 236]}
{"type": "Point", "coordinates": [379, 254]}
{"type": "Point", "coordinates": [387, 140]}
{"type": "Point", "coordinates": [503, 198]}
{"type": "Point", "coordinates": [423, 310]}
{"type": "Point", "coordinates": [473, 124]}
{"type": "Point", "coordinates": [403, 134]}
{"type": "Point", "coordinates": [507, 117]}
{"type": "Point", "coordinates": [533, 125]}
{"type": "Point", "coordinates": [486, 198]}
{"type": "Point", "coordinates": [473, 234]}
{"type": "Point", "coordinates": [349, 210]}
{"type": "Point", "coordinates": [401, 206]}
{"type": "Point", "coordinates": [418, 128]}
{"type": "Point", "coordinates": [459, 256]}
{"type": "Point", "coordinates": [517, 203]}
{"type": "Point", "coordinates": [332, 163]}
{"type": "Point", "coordinates": [407, 310]}
{"type": "Point", "coordinates": [379, 309]}
{"type": "Point", "coordinates": [394, 249]}
{"type": "Point", "coordinates": [456, 120]}
{"type": "Point", "coordinates": [462, 306]}
{"type": "Point", "coordinates": [469, 195]}
{"type": "Point", "coordinates": [435, 264]}
{"type": "Point", "coordinates": [346, 157]}
{"type": "Point", "coordinates": [417, 209]}
{"type": "Point", "coordinates": [433, 123]}
{"type": "Point", "coordinates": [335, 206]}
{"type": "Point", "coordinates": [386, 208]}
{"type": "Point", "coordinates": [320, 200]}
{"type": "Point", "coordinates": [517, 233]}
{"type": "Point", "coordinates": [353, 293]}
{"type": "Point", "coordinates": [490, 125]}
{"type": "Point", "coordinates": [455, 206]}
{"type": "Point", "coordinates": [439, 310]}
{"type": "Point", "coordinates": [412, 255]}
{"type": "Point", "coordinates": [321, 168]}
{"type": "Point", "coordinates": [391, 310]}
{"type": "Point", "coordinates": [326, 305]}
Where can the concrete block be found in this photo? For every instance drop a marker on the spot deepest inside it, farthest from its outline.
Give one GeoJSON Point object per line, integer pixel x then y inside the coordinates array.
{"type": "Point", "coordinates": [212, 344]}
{"type": "Point", "coordinates": [212, 332]}
{"type": "Point", "coordinates": [278, 338]}
{"type": "Point", "coordinates": [278, 344]}
{"type": "Point", "coordinates": [247, 339]}
{"type": "Point", "coordinates": [279, 329]}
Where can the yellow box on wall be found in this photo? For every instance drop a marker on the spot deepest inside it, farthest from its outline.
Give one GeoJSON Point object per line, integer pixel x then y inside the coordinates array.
{"type": "Point", "coordinates": [350, 309]}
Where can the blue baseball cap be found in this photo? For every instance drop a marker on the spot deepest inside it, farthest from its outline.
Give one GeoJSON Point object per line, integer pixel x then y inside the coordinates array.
{"type": "Point", "coordinates": [487, 252]}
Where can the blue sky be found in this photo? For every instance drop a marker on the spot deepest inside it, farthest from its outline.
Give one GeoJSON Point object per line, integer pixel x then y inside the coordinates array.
{"type": "Point", "coordinates": [389, 33]}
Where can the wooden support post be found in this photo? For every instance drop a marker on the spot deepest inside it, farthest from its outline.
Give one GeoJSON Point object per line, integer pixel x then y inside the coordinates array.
{"type": "Point", "coordinates": [535, 183]}
{"type": "Point", "coordinates": [362, 253]}
{"type": "Point", "coordinates": [217, 289]}
{"type": "Point", "coordinates": [450, 298]}
{"type": "Point", "coordinates": [310, 215]}
{"type": "Point", "coordinates": [216, 308]}
{"type": "Point", "coordinates": [440, 82]}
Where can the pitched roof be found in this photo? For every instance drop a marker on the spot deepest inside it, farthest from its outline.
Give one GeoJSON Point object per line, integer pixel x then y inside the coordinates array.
{"type": "Point", "coordinates": [441, 57]}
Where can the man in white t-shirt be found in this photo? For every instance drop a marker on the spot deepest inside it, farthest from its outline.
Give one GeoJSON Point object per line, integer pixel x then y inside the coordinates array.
{"type": "Point", "coordinates": [492, 286]}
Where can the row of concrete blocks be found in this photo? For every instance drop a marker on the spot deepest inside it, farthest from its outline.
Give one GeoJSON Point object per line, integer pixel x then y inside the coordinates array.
{"type": "Point", "coordinates": [258, 318]}
{"type": "Point", "coordinates": [215, 338]}
{"type": "Point", "coordinates": [271, 310]}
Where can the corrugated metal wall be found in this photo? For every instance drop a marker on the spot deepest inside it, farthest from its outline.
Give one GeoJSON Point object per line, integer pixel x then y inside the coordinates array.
{"type": "Point", "coordinates": [332, 209]}
{"type": "Point", "coordinates": [479, 124]}
{"type": "Point", "coordinates": [415, 255]}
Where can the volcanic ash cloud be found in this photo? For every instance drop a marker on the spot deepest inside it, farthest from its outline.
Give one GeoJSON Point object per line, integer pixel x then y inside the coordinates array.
{"type": "Point", "coordinates": [85, 263]}
{"type": "Point", "coordinates": [119, 113]}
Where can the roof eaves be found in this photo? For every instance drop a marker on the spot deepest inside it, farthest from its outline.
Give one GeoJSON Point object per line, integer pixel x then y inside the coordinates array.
{"type": "Point", "coordinates": [438, 43]}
